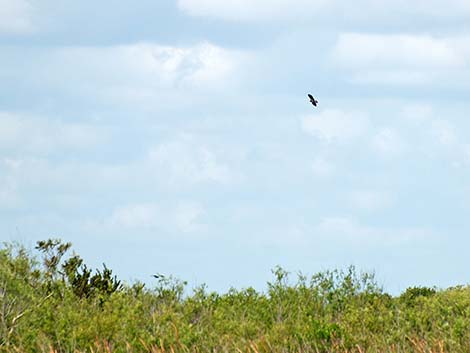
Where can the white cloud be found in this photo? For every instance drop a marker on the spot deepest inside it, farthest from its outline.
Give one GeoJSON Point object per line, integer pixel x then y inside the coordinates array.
{"type": "Point", "coordinates": [387, 141]}
{"type": "Point", "coordinates": [466, 155]}
{"type": "Point", "coordinates": [395, 51]}
{"type": "Point", "coordinates": [10, 128]}
{"type": "Point", "coordinates": [16, 17]}
{"type": "Point", "coordinates": [444, 132]}
{"type": "Point", "coordinates": [415, 130]}
{"type": "Point", "coordinates": [335, 125]}
{"type": "Point", "coordinates": [435, 137]}
{"type": "Point", "coordinates": [401, 58]}
{"type": "Point", "coordinates": [183, 217]}
{"type": "Point", "coordinates": [36, 135]}
{"type": "Point", "coordinates": [72, 160]}
{"type": "Point", "coordinates": [9, 197]}
{"type": "Point", "coordinates": [143, 76]}
{"type": "Point", "coordinates": [347, 229]}
{"type": "Point", "coordinates": [394, 77]}
{"type": "Point", "coordinates": [448, 142]}
{"type": "Point", "coordinates": [270, 10]}
{"type": "Point", "coordinates": [149, 64]}
{"type": "Point", "coordinates": [250, 10]}
{"type": "Point", "coordinates": [370, 200]}
{"type": "Point", "coordinates": [136, 216]}
{"type": "Point", "coordinates": [417, 113]}
{"type": "Point", "coordinates": [322, 167]}
{"type": "Point", "coordinates": [187, 216]}
{"type": "Point", "coordinates": [185, 161]}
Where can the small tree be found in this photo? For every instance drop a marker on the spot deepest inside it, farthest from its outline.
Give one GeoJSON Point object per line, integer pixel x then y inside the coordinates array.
{"type": "Point", "coordinates": [73, 273]}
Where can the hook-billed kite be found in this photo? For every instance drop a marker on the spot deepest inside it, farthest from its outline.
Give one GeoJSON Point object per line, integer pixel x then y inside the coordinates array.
{"type": "Point", "coordinates": [312, 100]}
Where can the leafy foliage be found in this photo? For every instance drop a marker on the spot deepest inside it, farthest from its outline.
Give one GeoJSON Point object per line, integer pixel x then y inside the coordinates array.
{"type": "Point", "coordinates": [58, 304]}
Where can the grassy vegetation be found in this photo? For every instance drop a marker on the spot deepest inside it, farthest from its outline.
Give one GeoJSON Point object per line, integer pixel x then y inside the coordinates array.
{"type": "Point", "coordinates": [54, 303]}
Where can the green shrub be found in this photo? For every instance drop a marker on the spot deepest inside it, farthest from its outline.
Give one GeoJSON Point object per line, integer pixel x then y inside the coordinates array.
{"type": "Point", "coordinates": [58, 304]}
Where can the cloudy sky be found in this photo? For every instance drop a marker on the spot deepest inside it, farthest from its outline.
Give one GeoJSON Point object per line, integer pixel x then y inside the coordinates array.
{"type": "Point", "coordinates": [176, 136]}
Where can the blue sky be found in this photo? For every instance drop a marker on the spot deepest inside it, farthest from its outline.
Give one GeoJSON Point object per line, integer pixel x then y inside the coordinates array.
{"type": "Point", "coordinates": [176, 136]}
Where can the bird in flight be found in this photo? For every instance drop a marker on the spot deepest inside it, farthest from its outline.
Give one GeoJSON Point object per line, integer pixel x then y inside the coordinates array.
{"type": "Point", "coordinates": [312, 100]}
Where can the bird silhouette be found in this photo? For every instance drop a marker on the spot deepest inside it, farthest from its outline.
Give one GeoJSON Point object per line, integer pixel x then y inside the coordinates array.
{"type": "Point", "coordinates": [312, 100]}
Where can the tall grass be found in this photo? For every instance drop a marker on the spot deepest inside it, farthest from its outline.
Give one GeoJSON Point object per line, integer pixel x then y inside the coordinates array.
{"type": "Point", "coordinates": [55, 303]}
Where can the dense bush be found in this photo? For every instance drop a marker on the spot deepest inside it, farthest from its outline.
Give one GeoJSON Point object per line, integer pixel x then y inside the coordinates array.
{"type": "Point", "coordinates": [56, 303]}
